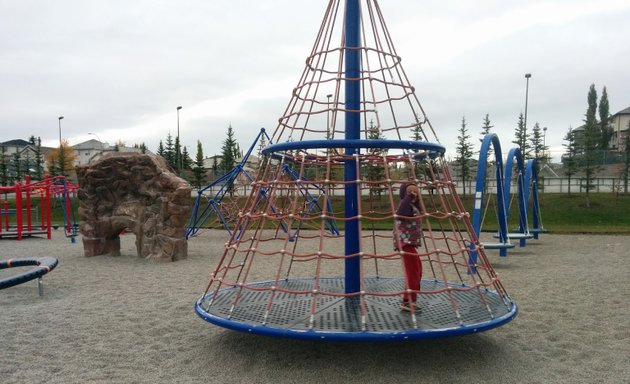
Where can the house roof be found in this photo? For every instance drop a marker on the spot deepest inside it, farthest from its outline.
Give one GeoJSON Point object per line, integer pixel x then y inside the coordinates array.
{"type": "Point", "coordinates": [91, 144]}
{"type": "Point", "coordinates": [623, 112]}
{"type": "Point", "coordinates": [16, 142]}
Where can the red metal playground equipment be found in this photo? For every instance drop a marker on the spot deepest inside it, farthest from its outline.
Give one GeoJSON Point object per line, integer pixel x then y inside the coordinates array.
{"type": "Point", "coordinates": [354, 122]}
{"type": "Point", "coordinates": [20, 202]}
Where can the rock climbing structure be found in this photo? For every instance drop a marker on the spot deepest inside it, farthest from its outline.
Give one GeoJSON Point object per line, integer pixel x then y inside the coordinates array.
{"type": "Point", "coordinates": [138, 193]}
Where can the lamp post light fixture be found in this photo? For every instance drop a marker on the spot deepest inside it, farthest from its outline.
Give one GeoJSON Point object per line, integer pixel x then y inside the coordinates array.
{"type": "Point", "coordinates": [60, 118]}
{"type": "Point", "coordinates": [179, 142]}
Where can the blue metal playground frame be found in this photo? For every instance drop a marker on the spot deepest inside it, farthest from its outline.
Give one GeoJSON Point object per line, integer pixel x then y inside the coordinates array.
{"type": "Point", "coordinates": [197, 220]}
{"type": "Point", "coordinates": [523, 228]}
{"type": "Point", "coordinates": [531, 182]}
{"type": "Point", "coordinates": [526, 181]}
{"type": "Point", "coordinates": [480, 189]}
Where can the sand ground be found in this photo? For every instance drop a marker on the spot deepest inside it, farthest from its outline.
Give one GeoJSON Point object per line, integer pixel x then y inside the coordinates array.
{"type": "Point", "coordinates": [127, 320]}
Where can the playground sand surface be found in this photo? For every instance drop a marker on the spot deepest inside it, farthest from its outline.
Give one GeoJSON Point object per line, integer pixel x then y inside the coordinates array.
{"type": "Point", "coordinates": [128, 320]}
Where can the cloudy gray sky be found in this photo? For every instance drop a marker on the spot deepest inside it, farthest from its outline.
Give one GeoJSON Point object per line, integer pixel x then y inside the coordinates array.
{"type": "Point", "coordinates": [119, 68]}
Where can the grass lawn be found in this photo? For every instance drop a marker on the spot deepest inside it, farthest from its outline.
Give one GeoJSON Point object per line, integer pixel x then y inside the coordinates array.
{"type": "Point", "coordinates": [560, 213]}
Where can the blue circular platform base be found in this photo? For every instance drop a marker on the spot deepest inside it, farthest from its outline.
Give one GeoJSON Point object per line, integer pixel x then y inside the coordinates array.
{"type": "Point", "coordinates": [341, 319]}
{"type": "Point", "coordinates": [42, 265]}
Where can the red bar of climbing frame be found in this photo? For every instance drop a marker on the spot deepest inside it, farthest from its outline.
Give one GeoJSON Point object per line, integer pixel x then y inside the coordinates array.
{"type": "Point", "coordinates": [27, 186]}
{"type": "Point", "coordinates": [18, 210]}
{"type": "Point", "coordinates": [6, 213]}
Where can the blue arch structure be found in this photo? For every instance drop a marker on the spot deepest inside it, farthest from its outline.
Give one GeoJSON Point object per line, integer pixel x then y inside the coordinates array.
{"type": "Point", "coordinates": [42, 265]}
{"type": "Point", "coordinates": [523, 229]}
{"type": "Point", "coordinates": [531, 182]}
{"type": "Point", "coordinates": [482, 167]}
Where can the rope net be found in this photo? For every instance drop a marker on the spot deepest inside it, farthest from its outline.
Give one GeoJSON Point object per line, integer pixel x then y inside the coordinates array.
{"type": "Point", "coordinates": [285, 270]}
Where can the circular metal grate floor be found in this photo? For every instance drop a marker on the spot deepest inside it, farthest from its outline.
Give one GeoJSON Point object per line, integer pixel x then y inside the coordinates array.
{"type": "Point", "coordinates": [340, 318]}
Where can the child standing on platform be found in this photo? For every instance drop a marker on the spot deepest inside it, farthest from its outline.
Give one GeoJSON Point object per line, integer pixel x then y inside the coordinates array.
{"type": "Point", "coordinates": [407, 237]}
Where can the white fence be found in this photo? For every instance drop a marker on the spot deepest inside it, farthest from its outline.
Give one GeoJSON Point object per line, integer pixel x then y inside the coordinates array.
{"type": "Point", "coordinates": [559, 185]}
{"type": "Point", "coordinates": [545, 185]}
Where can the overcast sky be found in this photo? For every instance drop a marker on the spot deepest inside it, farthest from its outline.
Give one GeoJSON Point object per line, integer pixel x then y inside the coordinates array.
{"type": "Point", "coordinates": [119, 69]}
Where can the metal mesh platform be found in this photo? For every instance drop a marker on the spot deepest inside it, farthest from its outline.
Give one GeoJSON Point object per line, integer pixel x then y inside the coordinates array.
{"type": "Point", "coordinates": [341, 318]}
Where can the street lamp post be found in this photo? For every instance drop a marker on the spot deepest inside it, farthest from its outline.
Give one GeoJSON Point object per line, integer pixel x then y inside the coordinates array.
{"type": "Point", "coordinates": [179, 142]}
{"type": "Point", "coordinates": [544, 155]}
{"type": "Point", "coordinates": [62, 157]}
{"type": "Point", "coordinates": [60, 118]}
{"type": "Point", "coordinates": [527, 76]}
{"type": "Point", "coordinates": [545, 144]}
{"type": "Point", "coordinates": [328, 117]}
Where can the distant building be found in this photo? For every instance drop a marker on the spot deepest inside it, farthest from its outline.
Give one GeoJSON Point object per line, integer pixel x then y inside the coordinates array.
{"type": "Point", "coordinates": [95, 149]}
{"type": "Point", "coordinates": [619, 125]}
{"type": "Point", "coordinates": [621, 130]}
{"type": "Point", "coordinates": [27, 154]}
{"type": "Point", "coordinates": [86, 150]}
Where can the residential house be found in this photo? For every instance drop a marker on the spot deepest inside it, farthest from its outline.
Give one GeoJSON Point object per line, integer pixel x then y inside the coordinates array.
{"type": "Point", "coordinates": [94, 149]}
{"type": "Point", "coordinates": [621, 129]}
{"type": "Point", "coordinates": [26, 155]}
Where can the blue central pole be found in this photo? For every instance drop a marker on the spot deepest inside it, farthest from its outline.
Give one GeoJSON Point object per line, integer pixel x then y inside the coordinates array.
{"type": "Point", "coordinates": [352, 132]}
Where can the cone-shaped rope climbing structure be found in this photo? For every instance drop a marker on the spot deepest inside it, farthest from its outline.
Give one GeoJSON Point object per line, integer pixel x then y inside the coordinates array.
{"type": "Point", "coordinates": [353, 133]}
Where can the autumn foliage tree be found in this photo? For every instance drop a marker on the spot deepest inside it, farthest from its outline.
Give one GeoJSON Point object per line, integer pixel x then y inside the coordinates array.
{"type": "Point", "coordinates": [60, 161]}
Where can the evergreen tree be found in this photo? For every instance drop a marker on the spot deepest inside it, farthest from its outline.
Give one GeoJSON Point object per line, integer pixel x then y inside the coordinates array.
{"type": "Point", "coordinates": [486, 127]}
{"type": "Point", "coordinates": [626, 160]}
{"type": "Point", "coordinates": [169, 152]}
{"type": "Point", "coordinates": [199, 170]}
{"type": "Point", "coordinates": [590, 143]}
{"type": "Point", "coordinates": [464, 153]}
{"type": "Point", "coordinates": [520, 137]}
{"type": "Point", "coordinates": [161, 151]}
{"type": "Point", "coordinates": [569, 158]}
{"type": "Point", "coordinates": [537, 145]}
{"type": "Point", "coordinates": [39, 160]}
{"type": "Point", "coordinates": [143, 148]}
{"type": "Point", "coordinates": [4, 169]}
{"type": "Point", "coordinates": [262, 143]}
{"type": "Point", "coordinates": [215, 167]}
{"type": "Point", "coordinates": [417, 134]}
{"type": "Point", "coordinates": [186, 160]}
{"type": "Point", "coordinates": [375, 172]}
{"type": "Point", "coordinates": [15, 164]}
{"type": "Point", "coordinates": [26, 165]}
{"type": "Point", "coordinates": [229, 151]}
{"type": "Point", "coordinates": [179, 158]}
{"type": "Point", "coordinates": [52, 166]}
{"type": "Point", "coordinates": [606, 130]}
